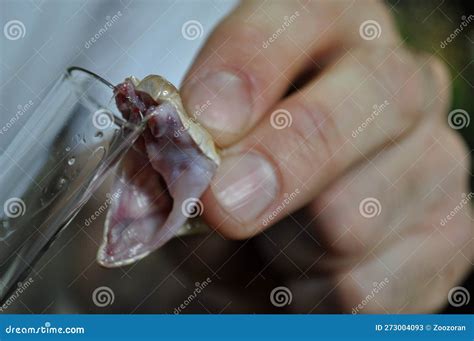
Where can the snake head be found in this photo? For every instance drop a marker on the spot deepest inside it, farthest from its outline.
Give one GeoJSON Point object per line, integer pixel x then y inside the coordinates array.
{"type": "Point", "coordinates": [160, 178]}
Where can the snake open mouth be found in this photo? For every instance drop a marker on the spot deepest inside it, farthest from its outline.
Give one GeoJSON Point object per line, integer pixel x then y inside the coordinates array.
{"type": "Point", "coordinates": [172, 163]}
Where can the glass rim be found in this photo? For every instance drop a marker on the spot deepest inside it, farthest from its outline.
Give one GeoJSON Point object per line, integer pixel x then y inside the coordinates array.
{"type": "Point", "coordinates": [70, 74]}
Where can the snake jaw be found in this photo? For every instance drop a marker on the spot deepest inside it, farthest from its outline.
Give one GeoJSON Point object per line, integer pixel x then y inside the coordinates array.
{"type": "Point", "coordinates": [161, 91]}
{"type": "Point", "coordinates": [163, 171]}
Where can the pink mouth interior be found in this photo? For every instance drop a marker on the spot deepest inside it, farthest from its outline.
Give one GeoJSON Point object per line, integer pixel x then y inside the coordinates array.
{"type": "Point", "coordinates": [160, 172]}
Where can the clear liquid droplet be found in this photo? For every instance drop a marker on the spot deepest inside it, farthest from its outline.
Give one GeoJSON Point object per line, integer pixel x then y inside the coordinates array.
{"type": "Point", "coordinates": [71, 161]}
{"type": "Point", "coordinates": [99, 134]}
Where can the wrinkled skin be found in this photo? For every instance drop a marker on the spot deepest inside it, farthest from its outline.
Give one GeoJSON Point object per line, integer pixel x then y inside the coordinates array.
{"type": "Point", "coordinates": [320, 246]}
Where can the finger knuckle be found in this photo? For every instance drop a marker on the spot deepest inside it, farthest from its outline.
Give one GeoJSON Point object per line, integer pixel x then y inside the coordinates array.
{"type": "Point", "coordinates": [316, 139]}
{"type": "Point", "coordinates": [417, 84]}
{"type": "Point", "coordinates": [398, 74]}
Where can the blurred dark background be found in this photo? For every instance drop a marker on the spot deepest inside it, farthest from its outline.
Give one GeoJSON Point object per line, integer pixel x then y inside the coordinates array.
{"type": "Point", "coordinates": [425, 25]}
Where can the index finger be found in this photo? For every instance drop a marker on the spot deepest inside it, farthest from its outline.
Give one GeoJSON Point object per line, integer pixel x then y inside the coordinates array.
{"type": "Point", "coordinates": [254, 55]}
{"type": "Point", "coordinates": [316, 135]}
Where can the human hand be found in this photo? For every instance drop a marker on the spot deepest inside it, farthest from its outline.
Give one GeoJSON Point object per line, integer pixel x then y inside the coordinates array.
{"type": "Point", "coordinates": [364, 125]}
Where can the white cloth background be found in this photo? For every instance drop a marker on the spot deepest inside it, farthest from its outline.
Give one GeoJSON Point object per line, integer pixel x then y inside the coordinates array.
{"type": "Point", "coordinates": [54, 34]}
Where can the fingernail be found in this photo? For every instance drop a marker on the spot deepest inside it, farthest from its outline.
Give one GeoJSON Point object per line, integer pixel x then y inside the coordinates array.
{"type": "Point", "coordinates": [220, 101]}
{"type": "Point", "coordinates": [245, 185]}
